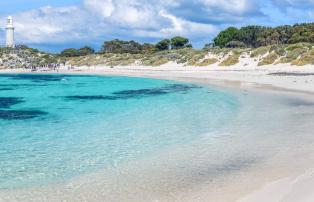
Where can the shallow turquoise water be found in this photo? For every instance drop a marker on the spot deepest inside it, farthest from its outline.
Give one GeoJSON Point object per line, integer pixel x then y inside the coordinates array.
{"type": "Point", "coordinates": [54, 127]}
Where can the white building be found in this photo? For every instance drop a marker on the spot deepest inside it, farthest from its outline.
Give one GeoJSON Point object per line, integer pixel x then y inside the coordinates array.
{"type": "Point", "coordinates": [10, 33]}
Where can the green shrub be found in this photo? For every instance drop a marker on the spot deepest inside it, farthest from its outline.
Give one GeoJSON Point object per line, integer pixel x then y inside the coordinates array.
{"type": "Point", "coordinates": [215, 51]}
{"type": "Point", "coordinates": [179, 42]}
{"type": "Point", "coordinates": [240, 51]}
{"type": "Point", "coordinates": [299, 46]}
{"type": "Point", "coordinates": [269, 59]}
{"type": "Point", "coordinates": [278, 49]}
{"type": "Point", "coordinates": [182, 60]}
{"type": "Point", "coordinates": [155, 60]}
{"type": "Point", "coordinates": [235, 44]}
{"type": "Point", "coordinates": [207, 62]}
{"type": "Point", "coordinates": [260, 51]}
{"type": "Point", "coordinates": [127, 62]}
{"type": "Point", "coordinates": [306, 59]}
{"type": "Point", "coordinates": [160, 62]}
{"type": "Point", "coordinates": [293, 54]}
{"type": "Point", "coordinates": [194, 57]}
{"type": "Point", "coordinates": [231, 60]}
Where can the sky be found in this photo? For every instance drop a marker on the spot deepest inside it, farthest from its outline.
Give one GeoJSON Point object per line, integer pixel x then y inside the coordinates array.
{"type": "Point", "coordinates": [53, 25]}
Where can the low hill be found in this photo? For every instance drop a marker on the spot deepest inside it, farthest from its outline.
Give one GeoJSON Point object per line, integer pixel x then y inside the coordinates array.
{"type": "Point", "coordinates": [296, 54]}
{"type": "Point", "coordinates": [25, 57]}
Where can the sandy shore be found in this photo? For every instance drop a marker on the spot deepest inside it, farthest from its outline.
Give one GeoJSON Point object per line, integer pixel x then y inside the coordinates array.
{"type": "Point", "coordinates": [281, 76]}
{"type": "Point", "coordinates": [297, 188]}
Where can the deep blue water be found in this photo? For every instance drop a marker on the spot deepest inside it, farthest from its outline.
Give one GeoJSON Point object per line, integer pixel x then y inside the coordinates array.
{"type": "Point", "coordinates": [54, 127]}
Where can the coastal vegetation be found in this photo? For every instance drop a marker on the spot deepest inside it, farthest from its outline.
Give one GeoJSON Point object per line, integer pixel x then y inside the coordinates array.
{"type": "Point", "coordinates": [265, 45]}
{"type": "Point", "coordinates": [232, 59]}
{"type": "Point", "coordinates": [257, 36]}
{"type": "Point", "coordinates": [72, 52]}
{"type": "Point", "coordinates": [255, 44]}
{"type": "Point", "coordinates": [25, 57]}
{"type": "Point", "coordinates": [120, 47]}
{"type": "Point", "coordinates": [296, 54]}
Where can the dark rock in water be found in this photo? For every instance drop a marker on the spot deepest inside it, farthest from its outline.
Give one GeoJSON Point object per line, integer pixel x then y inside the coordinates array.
{"type": "Point", "coordinates": [13, 86]}
{"type": "Point", "coordinates": [90, 97]}
{"type": "Point", "coordinates": [181, 87]}
{"type": "Point", "coordinates": [35, 78]}
{"type": "Point", "coordinates": [7, 102]}
{"type": "Point", "coordinates": [40, 77]}
{"type": "Point", "coordinates": [20, 114]}
{"type": "Point", "coordinates": [133, 94]}
{"type": "Point", "coordinates": [6, 89]}
{"type": "Point", "coordinates": [141, 92]}
{"type": "Point", "coordinates": [154, 91]}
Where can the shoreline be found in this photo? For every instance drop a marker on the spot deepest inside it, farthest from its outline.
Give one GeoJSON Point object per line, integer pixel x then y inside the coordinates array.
{"type": "Point", "coordinates": [277, 77]}
{"type": "Point", "coordinates": [279, 190]}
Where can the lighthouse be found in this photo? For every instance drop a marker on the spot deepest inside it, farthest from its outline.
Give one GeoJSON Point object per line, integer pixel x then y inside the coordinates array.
{"type": "Point", "coordinates": [10, 33]}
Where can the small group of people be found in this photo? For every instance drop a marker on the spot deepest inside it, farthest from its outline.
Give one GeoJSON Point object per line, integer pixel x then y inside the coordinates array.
{"type": "Point", "coordinates": [50, 67]}
{"type": "Point", "coordinates": [54, 67]}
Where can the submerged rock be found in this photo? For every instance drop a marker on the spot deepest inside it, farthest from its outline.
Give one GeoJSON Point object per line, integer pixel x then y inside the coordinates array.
{"type": "Point", "coordinates": [7, 102]}
{"type": "Point", "coordinates": [20, 114]}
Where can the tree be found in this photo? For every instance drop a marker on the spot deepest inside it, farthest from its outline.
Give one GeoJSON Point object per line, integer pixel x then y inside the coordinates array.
{"type": "Point", "coordinates": [86, 50]}
{"type": "Point", "coordinates": [148, 48]}
{"type": "Point", "coordinates": [227, 35]}
{"type": "Point", "coordinates": [179, 42]}
{"type": "Point", "coordinates": [120, 46]}
{"type": "Point", "coordinates": [285, 32]}
{"type": "Point", "coordinates": [249, 34]}
{"type": "Point", "coordinates": [235, 44]}
{"type": "Point", "coordinates": [268, 36]}
{"type": "Point", "coordinates": [189, 46]}
{"type": "Point", "coordinates": [255, 36]}
{"type": "Point", "coordinates": [70, 52]}
{"type": "Point", "coordinates": [163, 45]}
{"type": "Point", "coordinates": [302, 33]}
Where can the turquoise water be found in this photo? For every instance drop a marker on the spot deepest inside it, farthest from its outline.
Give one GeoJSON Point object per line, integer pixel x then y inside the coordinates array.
{"type": "Point", "coordinates": [55, 127]}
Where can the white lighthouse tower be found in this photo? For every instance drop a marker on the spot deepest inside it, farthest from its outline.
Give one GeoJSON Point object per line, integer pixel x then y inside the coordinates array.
{"type": "Point", "coordinates": [10, 33]}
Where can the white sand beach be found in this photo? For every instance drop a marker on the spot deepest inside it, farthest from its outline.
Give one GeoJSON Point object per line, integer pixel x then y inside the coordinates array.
{"type": "Point", "coordinates": [297, 186]}
{"type": "Point", "coordinates": [285, 190]}
{"type": "Point", "coordinates": [281, 76]}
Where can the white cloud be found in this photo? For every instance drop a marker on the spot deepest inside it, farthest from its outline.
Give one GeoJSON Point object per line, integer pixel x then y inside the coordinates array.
{"type": "Point", "coordinates": [125, 13]}
{"type": "Point", "coordinates": [47, 24]}
{"type": "Point", "coordinates": [129, 19]}
{"type": "Point", "coordinates": [181, 26]}
{"type": "Point", "coordinates": [177, 24]}
{"type": "Point", "coordinates": [229, 6]}
{"type": "Point", "coordinates": [116, 18]}
{"type": "Point", "coordinates": [104, 8]}
{"type": "Point", "coordinates": [146, 18]}
{"type": "Point", "coordinates": [100, 18]}
{"type": "Point", "coordinates": [133, 16]}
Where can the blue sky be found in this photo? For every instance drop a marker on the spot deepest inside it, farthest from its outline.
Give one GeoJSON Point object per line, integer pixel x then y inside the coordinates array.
{"type": "Point", "coordinates": [12, 6]}
{"type": "Point", "coordinates": [56, 24]}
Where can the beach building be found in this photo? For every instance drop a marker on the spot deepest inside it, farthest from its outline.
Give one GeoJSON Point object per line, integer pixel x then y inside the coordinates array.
{"type": "Point", "coordinates": [10, 33]}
